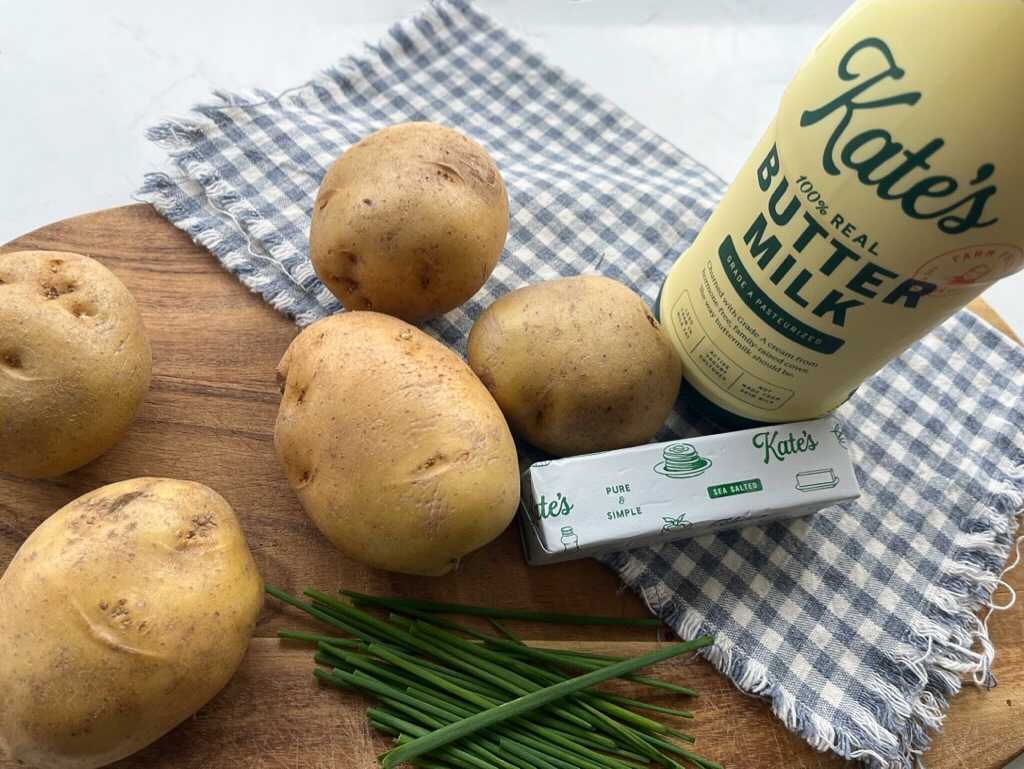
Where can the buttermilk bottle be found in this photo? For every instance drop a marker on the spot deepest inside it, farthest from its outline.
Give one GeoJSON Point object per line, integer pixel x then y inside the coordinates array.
{"type": "Point", "coordinates": [886, 194]}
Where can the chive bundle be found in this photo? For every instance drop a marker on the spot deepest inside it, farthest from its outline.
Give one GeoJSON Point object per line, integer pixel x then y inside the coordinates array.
{"type": "Point", "coordinates": [454, 697]}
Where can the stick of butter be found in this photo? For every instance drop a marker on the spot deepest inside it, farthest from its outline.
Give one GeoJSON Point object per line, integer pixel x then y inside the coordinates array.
{"type": "Point", "coordinates": [616, 500]}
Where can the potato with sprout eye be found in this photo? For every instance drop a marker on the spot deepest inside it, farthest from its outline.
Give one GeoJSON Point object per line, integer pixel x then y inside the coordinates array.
{"type": "Point", "coordinates": [121, 615]}
{"type": "Point", "coordinates": [75, 361]}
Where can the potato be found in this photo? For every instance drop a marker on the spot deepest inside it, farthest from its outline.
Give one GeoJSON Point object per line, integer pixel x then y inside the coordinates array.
{"type": "Point", "coordinates": [120, 616]}
{"type": "Point", "coordinates": [409, 221]}
{"type": "Point", "coordinates": [576, 364]}
{"type": "Point", "coordinates": [74, 361]}
{"type": "Point", "coordinates": [394, 448]}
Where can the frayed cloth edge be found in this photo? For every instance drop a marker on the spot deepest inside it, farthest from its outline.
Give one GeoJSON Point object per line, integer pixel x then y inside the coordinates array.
{"type": "Point", "coordinates": [178, 135]}
{"type": "Point", "coordinates": [751, 678]}
{"type": "Point", "coordinates": [294, 303]}
{"type": "Point", "coordinates": [937, 657]}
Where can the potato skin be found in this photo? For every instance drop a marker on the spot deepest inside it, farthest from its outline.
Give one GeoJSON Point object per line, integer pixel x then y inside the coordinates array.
{"type": "Point", "coordinates": [75, 361]}
{"type": "Point", "coordinates": [577, 364]}
{"type": "Point", "coordinates": [394, 448]}
{"type": "Point", "coordinates": [409, 221]}
{"type": "Point", "coordinates": [120, 616]}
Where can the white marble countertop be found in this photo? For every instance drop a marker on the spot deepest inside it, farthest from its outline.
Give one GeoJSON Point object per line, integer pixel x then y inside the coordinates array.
{"type": "Point", "coordinates": [81, 82]}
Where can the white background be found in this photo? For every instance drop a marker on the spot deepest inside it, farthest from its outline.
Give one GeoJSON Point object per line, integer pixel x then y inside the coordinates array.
{"type": "Point", "coordinates": [80, 82]}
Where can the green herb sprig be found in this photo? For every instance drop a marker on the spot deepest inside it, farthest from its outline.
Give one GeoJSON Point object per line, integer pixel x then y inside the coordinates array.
{"type": "Point", "coordinates": [454, 697]}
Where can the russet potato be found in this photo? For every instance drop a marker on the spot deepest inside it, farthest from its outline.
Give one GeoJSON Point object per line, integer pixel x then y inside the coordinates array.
{"type": "Point", "coordinates": [577, 364]}
{"type": "Point", "coordinates": [409, 221]}
{"type": "Point", "coordinates": [395, 449]}
{"type": "Point", "coordinates": [121, 615]}
{"type": "Point", "coordinates": [75, 361]}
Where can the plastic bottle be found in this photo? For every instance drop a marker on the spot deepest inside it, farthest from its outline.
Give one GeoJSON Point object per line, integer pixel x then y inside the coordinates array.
{"type": "Point", "coordinates": [886, 194]}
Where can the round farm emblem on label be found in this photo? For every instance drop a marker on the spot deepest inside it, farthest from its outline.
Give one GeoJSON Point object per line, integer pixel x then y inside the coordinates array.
{"type": "Point", "coordinates": [681, 460]}
{"type": "Point", "coordinates": [972, 267]}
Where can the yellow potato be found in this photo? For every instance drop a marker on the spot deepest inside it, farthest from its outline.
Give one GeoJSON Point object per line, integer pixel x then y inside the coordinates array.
{"type": "Point", "coordinates": [576, 364]}
{"type": "Point", "coordinates": [409, 221]}
{"type": "Point", "coordinates": [394, 448]}
{"type": "Point", "coordinates": [74, 361]}
{"type": "Point", "coordinates": [121, 615]}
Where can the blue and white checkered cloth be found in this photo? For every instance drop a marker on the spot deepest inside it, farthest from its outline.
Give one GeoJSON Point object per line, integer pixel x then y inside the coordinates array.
{"type": "Point", "coordinates": [857, 623]}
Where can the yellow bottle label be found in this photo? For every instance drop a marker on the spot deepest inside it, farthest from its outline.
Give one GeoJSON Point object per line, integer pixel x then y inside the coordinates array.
{"type": "Point", "coordinates": [885, 196]}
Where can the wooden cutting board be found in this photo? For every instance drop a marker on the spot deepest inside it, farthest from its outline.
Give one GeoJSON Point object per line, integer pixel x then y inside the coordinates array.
{"type": "Point", "coordinates": [209, 417]}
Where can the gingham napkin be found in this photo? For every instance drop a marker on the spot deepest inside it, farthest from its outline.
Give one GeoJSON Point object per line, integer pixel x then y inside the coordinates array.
{"type": "Point", "coordinates": [857, 623]}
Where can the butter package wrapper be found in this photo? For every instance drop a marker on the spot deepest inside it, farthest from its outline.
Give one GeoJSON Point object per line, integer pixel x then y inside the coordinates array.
{"type": "Point", "coordinates": [587, 505]}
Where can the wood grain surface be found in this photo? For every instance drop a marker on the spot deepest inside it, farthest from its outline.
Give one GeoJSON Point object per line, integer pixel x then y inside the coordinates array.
{"type": "Point", "coordinates": [209, 417]}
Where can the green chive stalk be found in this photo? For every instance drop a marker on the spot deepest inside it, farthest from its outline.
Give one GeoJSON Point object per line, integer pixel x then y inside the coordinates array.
{"type": "Point", "coordinates": [454, 697]}
{"type": "Point", "coordinates": [487, 611]}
